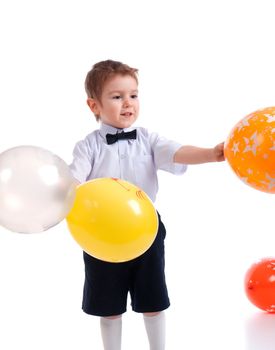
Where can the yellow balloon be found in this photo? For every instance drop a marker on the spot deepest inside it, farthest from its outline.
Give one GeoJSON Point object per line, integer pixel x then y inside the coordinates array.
{"type": "Point", "coordinates": [112, 220]}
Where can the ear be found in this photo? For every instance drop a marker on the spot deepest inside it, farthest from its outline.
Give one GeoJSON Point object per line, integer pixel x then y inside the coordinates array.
{"type": "Point", "coordinates": [93, 105]}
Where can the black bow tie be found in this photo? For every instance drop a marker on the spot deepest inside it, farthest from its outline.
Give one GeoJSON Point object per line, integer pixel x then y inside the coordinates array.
{"type": "Point", "coordinates": [112, 138]}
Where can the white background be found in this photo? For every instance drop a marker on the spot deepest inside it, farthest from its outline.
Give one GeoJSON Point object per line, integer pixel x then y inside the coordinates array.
{"type": "Point", "coordinates": [203, 66]}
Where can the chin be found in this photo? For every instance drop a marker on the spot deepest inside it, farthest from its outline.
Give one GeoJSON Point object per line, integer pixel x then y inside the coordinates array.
{"type": "Point", "coordinates": [127, 123]}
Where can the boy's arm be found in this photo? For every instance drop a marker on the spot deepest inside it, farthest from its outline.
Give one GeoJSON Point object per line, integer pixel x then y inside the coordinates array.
{"type": "Point", "coordinates": [198, 155]}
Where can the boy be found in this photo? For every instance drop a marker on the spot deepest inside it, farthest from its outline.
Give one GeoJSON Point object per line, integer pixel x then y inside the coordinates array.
{"type": "Point", "coordinates": [120, 151]}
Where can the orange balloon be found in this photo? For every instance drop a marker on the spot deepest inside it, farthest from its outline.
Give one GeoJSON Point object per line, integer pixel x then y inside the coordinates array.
{"type": "Point", "coordinates": [260, 284]}
{"type": "Point", "coordinates": [250, 149]}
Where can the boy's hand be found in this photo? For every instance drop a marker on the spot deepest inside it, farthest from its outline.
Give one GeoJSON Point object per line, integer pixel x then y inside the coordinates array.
{"type": "Point", "coordinates": [219, 152]}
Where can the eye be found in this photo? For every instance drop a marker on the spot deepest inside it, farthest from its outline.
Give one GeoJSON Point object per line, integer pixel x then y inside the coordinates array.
{"type": "Point", "coordinates": [134, 96]}
{"type": "Point", "coordinates": [116, 97]}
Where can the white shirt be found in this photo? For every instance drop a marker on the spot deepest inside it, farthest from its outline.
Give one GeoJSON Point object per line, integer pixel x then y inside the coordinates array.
{"type": "Point", "coordinates": [136, 161]}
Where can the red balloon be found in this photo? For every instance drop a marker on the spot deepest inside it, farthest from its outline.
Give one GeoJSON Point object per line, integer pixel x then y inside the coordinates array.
{"type": "Point", "coordinates": [260, 284]}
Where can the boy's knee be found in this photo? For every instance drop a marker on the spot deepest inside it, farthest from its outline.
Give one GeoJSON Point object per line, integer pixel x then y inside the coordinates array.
{"type": "Point", "coordinates": [151, 314]}
{"type": "Point", "coordinates": [112, 317]}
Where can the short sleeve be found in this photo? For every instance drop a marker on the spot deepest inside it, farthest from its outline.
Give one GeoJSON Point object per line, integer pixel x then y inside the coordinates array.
{"type": "Point", "coordinates": [82, 161]}
{"type": "Point", "coordinates": [164, 150]}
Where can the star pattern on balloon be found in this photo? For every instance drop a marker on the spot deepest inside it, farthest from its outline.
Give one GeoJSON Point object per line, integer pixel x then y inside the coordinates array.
{"type": "Point", "coordinates": [251, 143]}
{"type": "Point", "coordinates": [271, 181]}
{"type": "Point", "coordinates": [244, 122]}
{"type": "Point", "coordinates": [270, 118]}
{"type": "Point", "coordinates": [249, 149]}
{"type": "Point", "coordinates": [235, 147]}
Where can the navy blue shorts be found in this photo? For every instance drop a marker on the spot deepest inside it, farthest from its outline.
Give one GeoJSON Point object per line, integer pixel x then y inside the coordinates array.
{"type": "Point", "coordinates": [107, 284]}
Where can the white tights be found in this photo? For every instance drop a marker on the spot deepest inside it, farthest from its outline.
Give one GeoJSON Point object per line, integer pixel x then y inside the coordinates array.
{"type": "Point", "coordinates": [155, 328]}
{"type": "Point", "coordinates": [111, 331]}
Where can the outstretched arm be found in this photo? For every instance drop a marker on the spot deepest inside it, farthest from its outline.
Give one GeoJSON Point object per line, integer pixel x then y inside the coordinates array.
{"type": "Point", "coordinates": [198, 155]}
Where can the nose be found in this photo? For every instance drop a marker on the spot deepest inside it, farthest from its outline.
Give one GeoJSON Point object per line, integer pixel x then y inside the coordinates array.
{"type": "Point", "coordinates": [126, 102]}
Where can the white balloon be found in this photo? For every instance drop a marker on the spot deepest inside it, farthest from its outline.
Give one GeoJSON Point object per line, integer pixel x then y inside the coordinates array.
{"type": "Point", "coordinates": [37, 189]}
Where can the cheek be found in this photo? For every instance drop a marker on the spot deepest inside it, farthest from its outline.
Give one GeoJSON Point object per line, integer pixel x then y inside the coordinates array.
{"type": "Point", "coordinates": [111, 109]}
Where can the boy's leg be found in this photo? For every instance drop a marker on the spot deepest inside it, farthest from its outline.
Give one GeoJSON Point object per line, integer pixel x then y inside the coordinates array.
{"type": "Point", "coordinates": [105, 295]}
{"type": "Point", "coordinates": [111, 329]}
{"type": "Point", "coordinates": [149, 291]}
{"type": "Point", "coordinates": [105, 287]}
{"type": "Point", "coordinates": [155, 328]}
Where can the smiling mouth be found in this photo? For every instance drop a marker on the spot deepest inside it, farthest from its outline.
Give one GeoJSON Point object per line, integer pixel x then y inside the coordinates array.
{"type": "Point", "coordinates": [127, 114]}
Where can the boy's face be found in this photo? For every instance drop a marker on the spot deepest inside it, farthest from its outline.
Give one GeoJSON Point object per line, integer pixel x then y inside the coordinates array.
{"type": "Point", "coordinates": [119, 105]}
